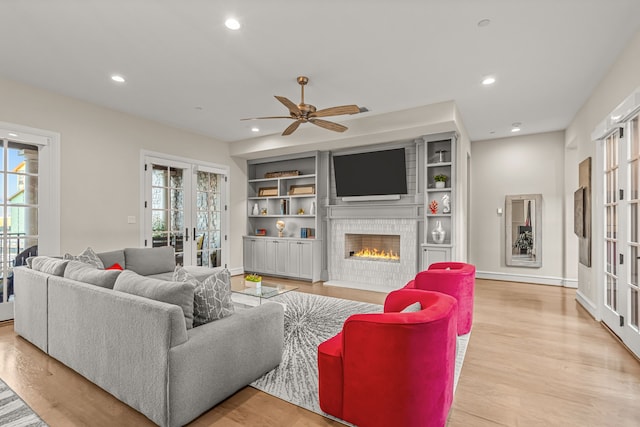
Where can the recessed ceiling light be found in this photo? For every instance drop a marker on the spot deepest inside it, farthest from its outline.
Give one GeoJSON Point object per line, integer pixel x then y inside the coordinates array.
{"type": "Point", "coordinates": [516, 129]}
{"type": "Point", "coordinates": [255, 129]}
{"type": "Point", "coordinates": [117, 78]}
{"type": "Point", "coordinates": [489, 80]}
{"type": "Point", "coordinates": [484, 23]}
{"type": "Point", "coordinates": [13, 134]}
{"type": "Point", "coordinates": [232, 24]}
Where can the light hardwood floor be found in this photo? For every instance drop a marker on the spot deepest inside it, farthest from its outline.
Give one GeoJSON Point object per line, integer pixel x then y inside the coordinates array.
{"type": "Point", "coordinates": [535, 358]}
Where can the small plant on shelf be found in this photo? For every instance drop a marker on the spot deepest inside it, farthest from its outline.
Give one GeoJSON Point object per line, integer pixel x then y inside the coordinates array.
{"type": "Point", "coordinates": [440, 180]}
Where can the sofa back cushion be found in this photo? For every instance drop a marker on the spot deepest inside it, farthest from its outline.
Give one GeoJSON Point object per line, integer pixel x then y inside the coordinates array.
{"type": "Point", "coordinates": [49, 265]}
{"type": "Point", "coordinates": [176, 293]}
{"type": "Point", "coordinates": [112, 257]}
{"type": "Point", "coordinates": [85, 273]}
{"type": "Point", "coordinates": [147, 261]}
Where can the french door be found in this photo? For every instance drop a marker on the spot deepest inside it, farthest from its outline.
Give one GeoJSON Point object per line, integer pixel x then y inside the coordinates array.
{"type": "Point", "coordinates": [621, 154]}
{"type": "Point", "coordinates": [185, 207]}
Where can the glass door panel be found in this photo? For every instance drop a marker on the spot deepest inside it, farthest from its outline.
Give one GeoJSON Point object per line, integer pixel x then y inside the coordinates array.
{"type": "Point", "coordinates": [208, 230]}
{"type": "Point", "coordinates": [167, 208]}
{"type": "Point", "coordinates": [19, 207]}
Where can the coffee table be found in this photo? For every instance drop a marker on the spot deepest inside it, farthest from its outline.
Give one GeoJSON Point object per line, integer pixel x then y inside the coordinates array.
{"type": "Point", "coordinates": [256, 296]}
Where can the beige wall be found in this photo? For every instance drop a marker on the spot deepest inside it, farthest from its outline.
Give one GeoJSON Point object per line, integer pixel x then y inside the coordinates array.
{"type": "Point", "coordinates": [100, 156]}
{"type": "Point", "coordinates": [509, 166]}
{"type": "Point", "coordinates": [621, 80]}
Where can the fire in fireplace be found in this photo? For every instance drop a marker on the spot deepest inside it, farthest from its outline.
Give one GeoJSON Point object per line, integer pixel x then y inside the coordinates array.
{"type": "Point", "coordinates": [378, 247]}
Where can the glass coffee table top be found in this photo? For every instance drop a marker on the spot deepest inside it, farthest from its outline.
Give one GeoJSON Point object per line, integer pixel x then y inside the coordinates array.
{"type": "Point", "coordinates": [266, 291]}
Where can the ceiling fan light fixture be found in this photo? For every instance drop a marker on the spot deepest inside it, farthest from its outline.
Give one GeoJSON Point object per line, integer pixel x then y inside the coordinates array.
{"type": "Point", "coordinates": [232, 24]}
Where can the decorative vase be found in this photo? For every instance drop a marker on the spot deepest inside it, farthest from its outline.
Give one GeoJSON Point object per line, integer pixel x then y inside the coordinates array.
{"type": "Point", "coordinates": [255, 211]}
{"type": "Point", "coordinates": [312, 210]}
{"type": "Point", "coordinates": [438, 233]}
{"type": "Point", "coordinates": [440, 184]}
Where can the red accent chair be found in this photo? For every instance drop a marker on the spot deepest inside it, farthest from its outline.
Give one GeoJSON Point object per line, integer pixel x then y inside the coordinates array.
{"type": "Point", "coordinates": [392, 369]}
{"type": "Point", "coordinates": [452, 278]}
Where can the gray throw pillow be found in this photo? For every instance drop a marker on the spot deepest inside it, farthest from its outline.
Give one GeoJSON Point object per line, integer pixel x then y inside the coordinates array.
{"type": "Point", "coordinates": [148, 261]}
{"type": "Point", "coordinates": [88, 256]}
{"type": "Point", "coordinates": [86, 273]}
{"type": "Point", "coordinates": [212, 296]}
{"type": "Point", "coordinates": [49, 265]}
{"type": "Point", "coordinates": [176, 293]}
{"type": "Point", "coordinates": [112, 257]}
{"type": "Point", "coordinates": [412, 308]}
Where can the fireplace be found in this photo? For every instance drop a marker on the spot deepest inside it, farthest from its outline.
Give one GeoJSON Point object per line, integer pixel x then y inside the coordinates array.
{"type": "Point", "coordinates": [372, 247]}
{"type": "Point", "coordinates": [350, 235]}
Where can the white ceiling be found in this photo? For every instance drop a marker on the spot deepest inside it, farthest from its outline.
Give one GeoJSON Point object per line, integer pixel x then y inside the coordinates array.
{"type": "Point", "coordinates": [184, 68]}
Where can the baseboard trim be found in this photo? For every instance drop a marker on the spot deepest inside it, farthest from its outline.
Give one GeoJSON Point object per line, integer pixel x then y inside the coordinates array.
{"type": "Point", "coordinates": [236, 271]}
{"type": "Point", "coordinates": [587, 305]}
{"type": "Point", "coordinates": [524, 278]}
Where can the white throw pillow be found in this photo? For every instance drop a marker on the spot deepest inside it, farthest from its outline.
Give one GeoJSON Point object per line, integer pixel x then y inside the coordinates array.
{"type": "Point", "coordinates": [212, 296]}
{"type": "Point", "coordinates": [88, 256]}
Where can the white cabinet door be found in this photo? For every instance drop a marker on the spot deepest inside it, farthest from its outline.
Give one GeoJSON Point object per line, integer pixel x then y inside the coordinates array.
{"type": "Point", "coordinates": [306, 259]}
{"type": "Point", "coordinates": [300, 260]}
{"type": "Point", "coordinates": [281, 257]}
{"type": "Point", "coordinates": [293, 266]}
{"type": "Point", "coordinates": [434, 254]}
{"type": "Point", "coordinates": [254, 255]}
{"type": "Point", "coordinates": [271, 248]}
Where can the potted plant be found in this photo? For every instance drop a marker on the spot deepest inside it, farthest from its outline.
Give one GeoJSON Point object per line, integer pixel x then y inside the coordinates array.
{"type": "Point", "coordinates": [253, 281]}
{"type": "Point", "coordinates": [440, 180]}
{"type": "Point", "coordinates": [524, 242]}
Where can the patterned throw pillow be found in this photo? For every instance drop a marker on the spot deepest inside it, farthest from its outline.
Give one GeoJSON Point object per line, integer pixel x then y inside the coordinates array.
{"type": "Point", "coordinates": [212, 297]}
{"type": "Point", "coordinates": [88, 256]}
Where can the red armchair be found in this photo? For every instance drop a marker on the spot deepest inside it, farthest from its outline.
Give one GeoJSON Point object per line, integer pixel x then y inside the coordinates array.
{"type": "Point", "coordinates": [452, 278]}
{"type": "Point", "coordinates": [392, 368]}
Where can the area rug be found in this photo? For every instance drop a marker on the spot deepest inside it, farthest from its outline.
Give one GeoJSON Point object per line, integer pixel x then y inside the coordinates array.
{"type": "Point", "coordinates": [14, 412]}
{"type": "Point", "coordinates": [310, 320]}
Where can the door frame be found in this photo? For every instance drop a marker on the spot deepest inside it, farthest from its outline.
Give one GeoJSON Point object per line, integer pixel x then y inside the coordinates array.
{"type": "Point", "coordinates": [194, 165]}
{"type": "Point", "coordinates": [48, 189]}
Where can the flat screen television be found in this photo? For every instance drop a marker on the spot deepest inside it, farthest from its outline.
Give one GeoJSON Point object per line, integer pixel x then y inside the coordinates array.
{"type": "Point", "coordinates": [376, 173]}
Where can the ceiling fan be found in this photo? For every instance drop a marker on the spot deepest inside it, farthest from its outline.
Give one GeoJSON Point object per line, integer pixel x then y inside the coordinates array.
{"type": "Point", "coordinates": [303, 113]}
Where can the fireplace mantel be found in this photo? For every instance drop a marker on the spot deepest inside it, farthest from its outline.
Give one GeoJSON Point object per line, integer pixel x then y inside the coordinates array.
{"type": "Point", "coordinates": [374, 211]}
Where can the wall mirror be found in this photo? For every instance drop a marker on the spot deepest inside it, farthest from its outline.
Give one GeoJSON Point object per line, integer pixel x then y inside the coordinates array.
{"type": "Point", "coordinates": [523, 222]}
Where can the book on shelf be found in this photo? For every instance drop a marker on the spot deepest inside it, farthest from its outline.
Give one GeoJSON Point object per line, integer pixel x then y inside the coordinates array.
{"type": "Point", "coordinates": [307, 233]}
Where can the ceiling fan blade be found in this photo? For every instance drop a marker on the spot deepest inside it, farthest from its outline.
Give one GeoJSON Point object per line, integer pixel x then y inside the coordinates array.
{"type": "Point", "coordinates": [292, 127]}
{"type": "Point", "coordinates": [328, 125]}
{"type": "Point", "coordinates": [270, 117]}
{"type": "Point", "coordinates": [336, 111]}
{"type": "Point", "coordinates": [293, 108]}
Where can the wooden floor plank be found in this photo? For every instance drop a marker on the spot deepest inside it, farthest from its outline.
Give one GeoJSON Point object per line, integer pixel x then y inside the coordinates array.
{"type": "Point", "coordinates": [535, 358]}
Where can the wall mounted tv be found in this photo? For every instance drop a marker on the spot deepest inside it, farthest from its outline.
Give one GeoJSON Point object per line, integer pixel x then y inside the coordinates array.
{"type": "Point", "coordinates": [375, 173]}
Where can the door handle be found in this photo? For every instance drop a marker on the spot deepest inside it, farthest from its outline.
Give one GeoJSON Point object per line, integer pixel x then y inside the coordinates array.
{"type": "Point", "coordinates": [186, 234]}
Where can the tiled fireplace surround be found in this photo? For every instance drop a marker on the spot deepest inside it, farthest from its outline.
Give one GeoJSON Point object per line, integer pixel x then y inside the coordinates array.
{"type": "Point", "coordinates": [380, 275]}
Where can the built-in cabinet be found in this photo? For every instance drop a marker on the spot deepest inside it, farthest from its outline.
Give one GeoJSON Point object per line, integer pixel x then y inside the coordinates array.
{"type": "Point", "coordinates": [440, 210]}
{"type": "Point", "coordinates": [283, 190]}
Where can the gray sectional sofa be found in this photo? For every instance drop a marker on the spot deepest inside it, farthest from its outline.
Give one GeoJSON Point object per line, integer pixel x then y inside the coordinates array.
{"type": "Point", "coordinates": [140, 350]}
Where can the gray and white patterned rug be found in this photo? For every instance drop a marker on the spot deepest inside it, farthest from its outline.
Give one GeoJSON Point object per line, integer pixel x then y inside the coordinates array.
{"type": "Point", "coordinates": [14, 412]}
{"type": "Point", "coordinates": [308, 321]}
